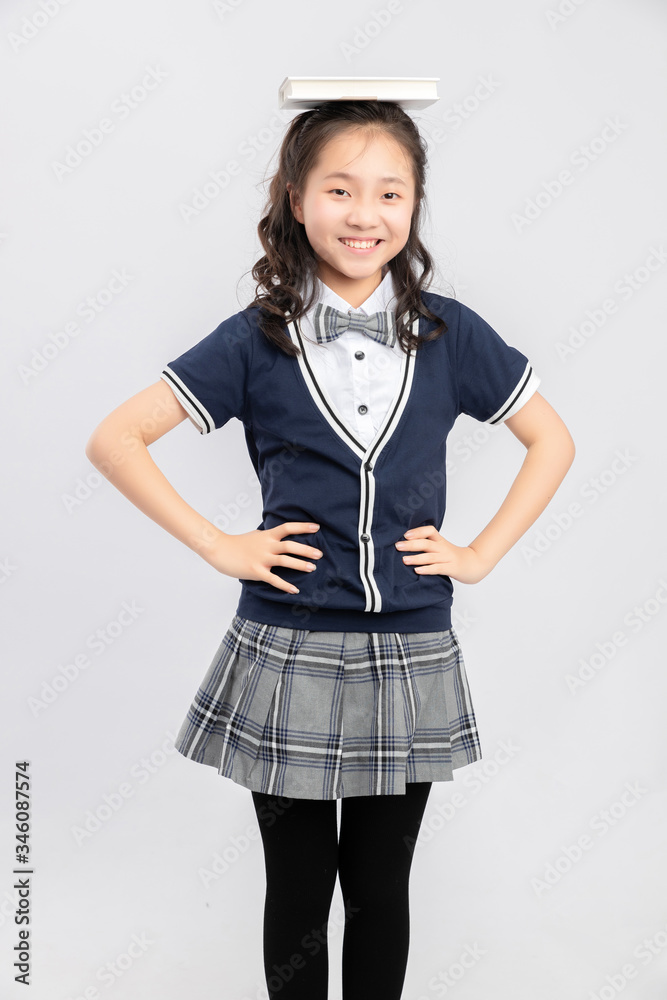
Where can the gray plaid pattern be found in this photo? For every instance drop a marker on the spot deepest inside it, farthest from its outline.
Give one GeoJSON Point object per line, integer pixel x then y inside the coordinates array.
{"type": "Point", "coordinates": [330, 323]}
{"type": "Point", "coordinates": [323, 715]}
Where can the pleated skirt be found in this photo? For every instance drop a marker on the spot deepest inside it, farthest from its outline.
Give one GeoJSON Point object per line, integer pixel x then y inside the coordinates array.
{"type": "Point", "coordinates": [324, 715]}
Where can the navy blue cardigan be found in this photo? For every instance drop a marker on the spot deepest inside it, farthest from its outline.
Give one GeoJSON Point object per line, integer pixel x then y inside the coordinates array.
{"type": "Point", "coordinates": [312, 466]}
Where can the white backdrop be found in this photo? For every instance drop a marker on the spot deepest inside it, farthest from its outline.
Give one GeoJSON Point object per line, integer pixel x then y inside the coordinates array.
{"type": "Point", "coordinates": [136, 140]}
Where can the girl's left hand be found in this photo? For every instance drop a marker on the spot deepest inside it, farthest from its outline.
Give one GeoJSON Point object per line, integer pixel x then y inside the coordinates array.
{"type": "Point", "coordinates": [437, 555]}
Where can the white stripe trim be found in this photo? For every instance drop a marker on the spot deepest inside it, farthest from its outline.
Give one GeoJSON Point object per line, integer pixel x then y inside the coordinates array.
{"type": "Point", "coordinates": [519, 395]}
{"type": "Point", "coordinates": [277, 698]}
{"type": "Point", "coordinates": [383, 436]}
{"type": "Point", "coordinates": [364, 454]}
{"type": "Point", "coordinates": [321, 398]}
{"type": "Point", "coordinates": [409, 680]}
{"type": "Point", "coordinates": [379, 718]}
{"type": "Point", "coordinates": [196, 411]}
{"type": "Point", "coordinates": [366, 550]}
{"type": "Point", "coordinates": [298, 748]}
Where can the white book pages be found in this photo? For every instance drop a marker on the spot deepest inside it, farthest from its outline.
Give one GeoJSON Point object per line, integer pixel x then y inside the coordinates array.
{"type": "Point", "coordinates": [411, 93]}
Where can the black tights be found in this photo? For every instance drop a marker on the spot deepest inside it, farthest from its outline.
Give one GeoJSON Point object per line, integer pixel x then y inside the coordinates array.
{"type": "Point", "coordinates": [303, 855]}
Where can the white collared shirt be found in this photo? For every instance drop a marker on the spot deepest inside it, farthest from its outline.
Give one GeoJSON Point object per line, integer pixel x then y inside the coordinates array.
{"type": "Point", "coordinates": [354, 370]}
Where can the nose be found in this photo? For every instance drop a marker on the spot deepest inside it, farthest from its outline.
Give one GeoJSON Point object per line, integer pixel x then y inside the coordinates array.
{"type": "Point", "coordinates": [363, 214]}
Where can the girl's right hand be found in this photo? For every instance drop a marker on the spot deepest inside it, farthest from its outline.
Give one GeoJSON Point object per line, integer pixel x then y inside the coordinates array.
{"type": "Point", "coordinates": [251, 555]}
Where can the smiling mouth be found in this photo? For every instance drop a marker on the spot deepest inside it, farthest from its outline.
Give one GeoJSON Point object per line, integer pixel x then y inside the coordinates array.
{"type": "Point", "coordinates": [359, 244]}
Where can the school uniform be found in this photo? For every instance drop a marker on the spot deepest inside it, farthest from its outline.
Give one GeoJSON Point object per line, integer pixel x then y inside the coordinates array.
{"type": "Point", "coordinates": [356, 685]}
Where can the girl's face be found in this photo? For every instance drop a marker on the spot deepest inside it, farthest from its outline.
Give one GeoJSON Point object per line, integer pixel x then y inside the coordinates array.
{"type": "Point", "coordinates": [356, 194]}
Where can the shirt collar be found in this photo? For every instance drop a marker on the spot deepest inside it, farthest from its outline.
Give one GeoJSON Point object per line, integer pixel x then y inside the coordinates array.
{"type": "Point", "coordinates": [384, 297]}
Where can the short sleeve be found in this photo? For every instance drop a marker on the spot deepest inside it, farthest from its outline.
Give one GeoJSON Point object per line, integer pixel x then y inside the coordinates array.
{"type": "Point", "coordinates": [494, 379]}
{"type": "Point", "coordinates": [210, 379]}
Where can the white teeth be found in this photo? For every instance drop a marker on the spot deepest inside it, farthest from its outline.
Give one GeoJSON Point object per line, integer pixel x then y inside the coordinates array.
{"type": "Point", "coordinates": [360, 244]}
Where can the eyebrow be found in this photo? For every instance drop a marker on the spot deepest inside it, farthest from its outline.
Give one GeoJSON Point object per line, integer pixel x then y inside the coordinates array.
{"type": "Point", "coordinates": [352, 177]}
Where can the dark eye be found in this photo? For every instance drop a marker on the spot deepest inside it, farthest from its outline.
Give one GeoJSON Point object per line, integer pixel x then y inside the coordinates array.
{"type": "Point", "coordinates": [338, 190]}
{"type": "Point", "coordinates": [395, 196]}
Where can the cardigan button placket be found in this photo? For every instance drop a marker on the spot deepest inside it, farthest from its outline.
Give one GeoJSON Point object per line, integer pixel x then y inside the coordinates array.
{"type": "Point", "coordinates": [359, 377]}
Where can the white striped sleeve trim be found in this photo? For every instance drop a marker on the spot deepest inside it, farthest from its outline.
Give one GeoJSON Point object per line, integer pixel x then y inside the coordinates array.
{"type": "Point", "coordinates": [520, 395]}
{"type": "Point", "coordinates": [196, 411]}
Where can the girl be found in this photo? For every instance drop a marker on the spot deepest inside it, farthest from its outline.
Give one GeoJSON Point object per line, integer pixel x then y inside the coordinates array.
{"type": "Point", "coordinates": [340, 676]}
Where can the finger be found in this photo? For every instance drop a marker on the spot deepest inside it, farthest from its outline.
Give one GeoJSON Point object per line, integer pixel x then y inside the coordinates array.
{"type": "Point", "coordinates": [413, 536]}
{"type": "Point", "coordinates": [416, 545]}
{"type": "Point", "coordinates": [302, 548]}
{"type": "Point", "coordinates": [422, 559]}
{"type": "Point", "coordinates": [423, 531]}
{"type": "Point", "coordinates": [430, 568]}
{"type": "Point", "coordinates": [282, 559]}
{"type": "Point", "coordinates": [279, 583]}
{"type": "Point", "coordinates": [294, 528]}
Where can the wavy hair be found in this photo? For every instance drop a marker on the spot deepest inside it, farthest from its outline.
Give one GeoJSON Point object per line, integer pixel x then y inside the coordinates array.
{"type": "Point", "coordinates": [289, 264]}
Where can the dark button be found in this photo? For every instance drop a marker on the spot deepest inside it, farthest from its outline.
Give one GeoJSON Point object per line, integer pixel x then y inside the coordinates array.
{"type": "Point", "coordinates": [365, 538]}
{"type": "Point", "coordinates": [359, 355]}
{"type": "Point", "coordinates": [367, 465]}
{"type": "Point", "coordinates": [363, 408]}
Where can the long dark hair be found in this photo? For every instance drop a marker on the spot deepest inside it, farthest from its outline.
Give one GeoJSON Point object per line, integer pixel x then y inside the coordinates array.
{"type": "Point", "coordinates": [289, 262]}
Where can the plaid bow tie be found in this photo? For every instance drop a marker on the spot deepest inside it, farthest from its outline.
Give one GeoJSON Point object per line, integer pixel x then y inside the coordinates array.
{"type": "Point", "coordinates": [330, 323]}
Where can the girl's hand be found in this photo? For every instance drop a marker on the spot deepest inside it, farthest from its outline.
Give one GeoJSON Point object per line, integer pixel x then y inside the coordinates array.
{"type": "Point", "coordinates": [251, 555]}
{"type": "Point", "coordinates": [437, 555]}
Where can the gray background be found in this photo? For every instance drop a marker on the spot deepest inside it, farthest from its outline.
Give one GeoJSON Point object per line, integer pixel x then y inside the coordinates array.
{"type": "Point", "coordinates": [545, 863]}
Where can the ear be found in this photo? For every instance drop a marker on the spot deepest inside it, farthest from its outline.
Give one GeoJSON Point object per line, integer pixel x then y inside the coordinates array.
{"type": "Point", "coordinates": [295, 202]}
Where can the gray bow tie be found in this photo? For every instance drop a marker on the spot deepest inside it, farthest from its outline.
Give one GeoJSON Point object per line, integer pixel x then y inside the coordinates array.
{"type": "Point", "coordinates": [330, 323]}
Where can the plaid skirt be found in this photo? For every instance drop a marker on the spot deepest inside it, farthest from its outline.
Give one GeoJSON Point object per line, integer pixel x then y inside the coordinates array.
{"type": "Point", "coordinates": [323, 715]}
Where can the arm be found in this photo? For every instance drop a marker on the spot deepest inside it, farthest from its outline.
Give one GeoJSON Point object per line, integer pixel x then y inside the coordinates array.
{"type": "Point", "coordinates": [550, 452]}
{"type": "Point", "coordinates": [118, 447]}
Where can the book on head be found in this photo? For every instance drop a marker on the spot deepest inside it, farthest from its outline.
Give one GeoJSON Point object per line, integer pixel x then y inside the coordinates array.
{"type": "Point", "coordinates": [412, 93]}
